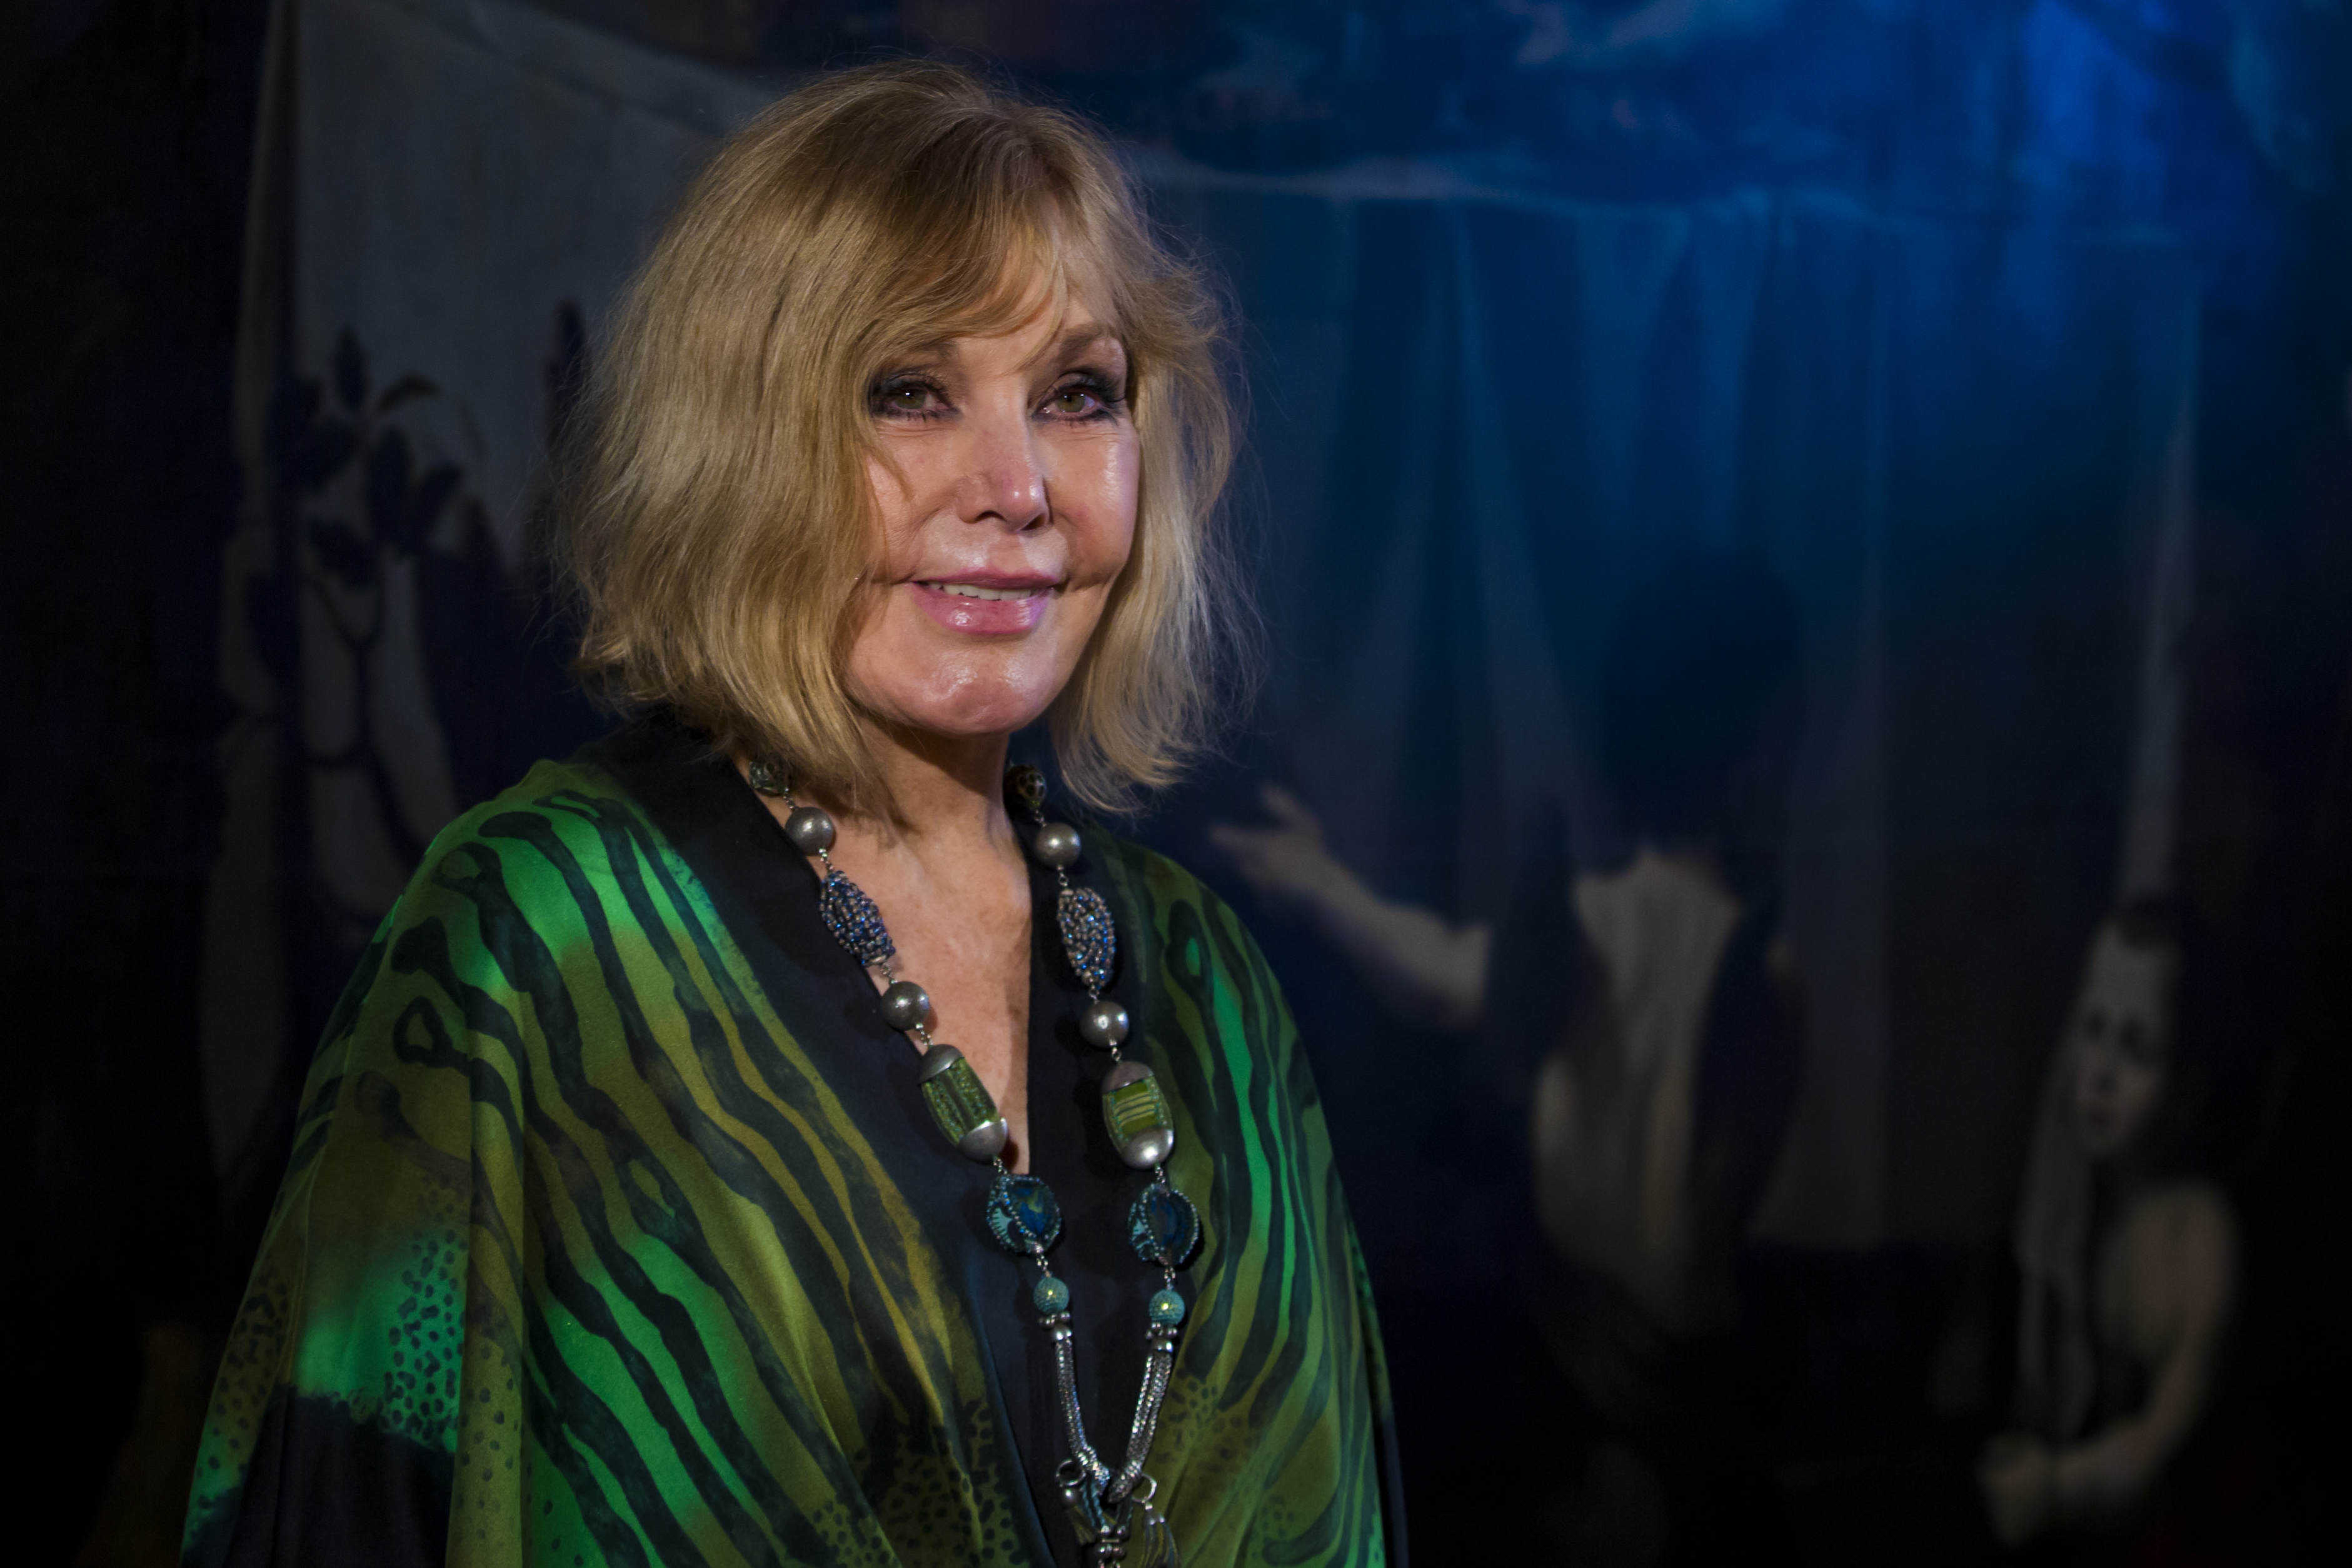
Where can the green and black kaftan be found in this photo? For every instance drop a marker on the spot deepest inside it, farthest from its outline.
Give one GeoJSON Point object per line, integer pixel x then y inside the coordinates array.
{"type": "Point", "coordinates": [616, 1231]}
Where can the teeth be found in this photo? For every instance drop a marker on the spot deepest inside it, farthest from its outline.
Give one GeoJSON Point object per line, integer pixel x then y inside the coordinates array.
{"type": "Point", "coordinates": [968, 591]}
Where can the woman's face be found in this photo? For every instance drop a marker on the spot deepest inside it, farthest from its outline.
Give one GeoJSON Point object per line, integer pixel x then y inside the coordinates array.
{"type": "Point", "coordinates": [1010, 517]}
{"type": "Point", "coordinates": [2122, 1045]}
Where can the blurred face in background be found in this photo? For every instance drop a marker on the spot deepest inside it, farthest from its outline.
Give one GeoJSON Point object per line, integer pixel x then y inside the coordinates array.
{"type": "Point", "coordinates": [2123, 1044]}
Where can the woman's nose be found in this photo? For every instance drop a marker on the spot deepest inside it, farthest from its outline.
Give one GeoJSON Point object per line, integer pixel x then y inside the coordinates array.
{"type": "Point", "coordinates": [1004, 480]}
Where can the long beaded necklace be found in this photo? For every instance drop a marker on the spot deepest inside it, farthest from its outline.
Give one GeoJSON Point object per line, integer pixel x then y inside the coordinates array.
{"type": "Point", "coordinates": [1110, 1510]}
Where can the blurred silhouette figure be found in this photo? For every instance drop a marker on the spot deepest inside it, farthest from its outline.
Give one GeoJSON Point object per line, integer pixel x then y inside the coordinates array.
{"type": "Point", "coordinates": [1648, 1017]}
{"type": "Point", "coordinates": [2128, 1257]}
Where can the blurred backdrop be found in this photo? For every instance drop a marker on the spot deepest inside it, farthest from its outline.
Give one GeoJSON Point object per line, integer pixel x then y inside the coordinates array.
{"type": "Point", "coordinates": [1774, 519]}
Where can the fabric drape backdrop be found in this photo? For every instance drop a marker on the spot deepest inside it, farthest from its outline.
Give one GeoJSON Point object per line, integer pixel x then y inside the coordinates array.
{"type": "Point", "coordinates": [1964, 447]}
{"type": "Point", "coordinates": [1475, 413]}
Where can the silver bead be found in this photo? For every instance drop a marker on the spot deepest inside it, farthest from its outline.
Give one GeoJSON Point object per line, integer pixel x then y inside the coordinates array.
{"type": "Point", "coordinates": [1149, 1148]}
{"type": "Point", "coordinates": [905, 1004]}
{"type": "Point", "coordinates": [1056, 845]}
{"type": "Point", "coordinates": [810, 829]}
{"type": "Point", "coordinates": [985, 1142]}
{"type": "Point", "coordinates": [1122, 1075]}
{"type": "Point", "coordinates": [1103, 1023]}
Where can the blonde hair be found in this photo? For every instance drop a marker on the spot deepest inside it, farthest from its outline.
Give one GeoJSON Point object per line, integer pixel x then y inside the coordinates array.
{"type": "Point", "coordinates": [714, 517]}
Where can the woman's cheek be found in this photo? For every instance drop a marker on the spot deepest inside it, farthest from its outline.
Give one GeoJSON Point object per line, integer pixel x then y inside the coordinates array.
{"type": "Point", "coordinates": [1104, 506]}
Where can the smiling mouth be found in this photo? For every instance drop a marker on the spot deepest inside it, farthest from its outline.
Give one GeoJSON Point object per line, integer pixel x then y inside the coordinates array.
{"type": "Point", "coordinates": [974, 591]}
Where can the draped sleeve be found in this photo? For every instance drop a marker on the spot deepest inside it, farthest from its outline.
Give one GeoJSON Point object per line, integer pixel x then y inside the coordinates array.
{"type": "Point", "coordinates": [372, 1349]}
{"type": "Point", "coordinates": [579, 1259]}
{"type": "Point", "coordinates": [1286, 1345]}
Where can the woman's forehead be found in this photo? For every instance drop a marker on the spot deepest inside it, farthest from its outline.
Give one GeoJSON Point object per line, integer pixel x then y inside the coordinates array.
{"type": "Point", "coordinates": [1046, 278]}
{"type": "Point", "coordinates": [1046, 324]}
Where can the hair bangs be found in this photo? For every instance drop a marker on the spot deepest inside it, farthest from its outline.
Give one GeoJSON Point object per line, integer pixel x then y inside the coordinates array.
{"type": "Point", "coordinates": [983, 254]}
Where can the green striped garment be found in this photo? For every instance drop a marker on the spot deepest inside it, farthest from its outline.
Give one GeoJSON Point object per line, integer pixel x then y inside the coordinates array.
{"type": "Point", "coordinates": [614, 1231]}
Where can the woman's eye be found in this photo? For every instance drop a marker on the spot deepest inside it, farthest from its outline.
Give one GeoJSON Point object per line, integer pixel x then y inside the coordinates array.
{"type": "Point", "coordinates": [1082, 399]}
{"type": "Point", "coordinates": [903, 397]}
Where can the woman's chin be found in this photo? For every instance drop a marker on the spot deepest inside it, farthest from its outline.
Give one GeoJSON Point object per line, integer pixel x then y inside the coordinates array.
{"type": "Point", "coordinates": [972, 727]}
{"type": "Point", "coordinates": [987, 693]}
{"type": "Point", "coordinates": [969, 715]}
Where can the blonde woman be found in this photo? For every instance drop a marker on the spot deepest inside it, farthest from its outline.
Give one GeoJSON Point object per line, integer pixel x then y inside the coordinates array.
{"type": "Point", "coordinates": [779, 1134]}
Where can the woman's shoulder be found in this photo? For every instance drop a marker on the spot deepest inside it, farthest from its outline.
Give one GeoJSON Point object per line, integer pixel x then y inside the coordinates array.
{"type": "Point", "coordinates": [1201, 967]}
{"type": "Point", "coordinates": [550, 789]}
{"type": "Point", "coordinates": [568, 797]}
{"type": "Point", "coordinates": [2180, 1239]}
{"type": "Point", "coordinates": [563, 837]}
{"type": "Point", "coordinates": [1171, 897]}
{"type": "Point", "coordinates": [2188, 1213]}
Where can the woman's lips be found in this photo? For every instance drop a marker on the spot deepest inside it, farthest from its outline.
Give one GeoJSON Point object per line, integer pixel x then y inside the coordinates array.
{"type": "Point", "coordinates": [984, 607]}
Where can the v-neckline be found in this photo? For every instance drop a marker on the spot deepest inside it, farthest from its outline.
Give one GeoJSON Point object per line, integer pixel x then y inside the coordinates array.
{"type": "Point", "coordinates": [764, 891]}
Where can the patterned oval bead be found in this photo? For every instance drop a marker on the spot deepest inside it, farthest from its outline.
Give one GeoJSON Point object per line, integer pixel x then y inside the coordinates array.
{"type": "Point", "coordinates": [1135, 1113]}
{"type": "Point", "coordinates": [1089, 937]}
{"type": "Point", "coordinates": [960, 1104]}
{"type": "Point", "coordinates": [1023, 1215]}
{"type": "Point", "coordinates": [1163, 1227]}
{"type": "Point", "coordinates": [1051, 1296]}
{"type": "Point", "coordinates": [1167, 1308]}
{"type": "Point", "coordinates": [854, 920]}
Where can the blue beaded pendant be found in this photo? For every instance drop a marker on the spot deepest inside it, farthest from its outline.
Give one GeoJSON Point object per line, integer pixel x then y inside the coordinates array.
{"type": "Point", "coordinates": [1087, 935]}
{"type": "Point", "coordinates": [1023, 1215]}
{"type": "Point", "coordinates": [854, 920]}
{"type": "Point", "coordinates": [1051, 1296]}
{"type": "Point", "coordinates": [1164, 1227]}
{"type": "Point", "coordinates": [1167, 1308]}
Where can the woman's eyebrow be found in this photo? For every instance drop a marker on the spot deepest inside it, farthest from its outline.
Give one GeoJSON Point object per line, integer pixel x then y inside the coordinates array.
{"type": "Point", "coordinates": [1088, 334]}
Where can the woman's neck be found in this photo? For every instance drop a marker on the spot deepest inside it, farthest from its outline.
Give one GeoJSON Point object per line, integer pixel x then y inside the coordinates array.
{"type": "Point", "coordinates": [2122, 1180]}
{"type": "Point", "coordinates": [945, 793]}
{"type": "Point", "coordinates": [943, 866]}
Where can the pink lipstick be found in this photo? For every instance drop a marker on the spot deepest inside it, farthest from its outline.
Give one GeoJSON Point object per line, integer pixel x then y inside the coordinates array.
{"type": "Point", "coordinates": [985, 604]}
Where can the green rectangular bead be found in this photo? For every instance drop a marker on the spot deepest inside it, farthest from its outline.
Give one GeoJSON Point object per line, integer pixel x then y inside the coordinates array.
{"type": "Point", "coordinates": [1133, 1109]}
{"type": "Point", "coordinates": [958, 1100]}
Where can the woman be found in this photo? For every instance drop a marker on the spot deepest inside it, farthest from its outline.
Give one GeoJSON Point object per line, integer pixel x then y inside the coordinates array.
{"type": "Point", "coordinates": [2129, 1258]}
{"type": "Point", "coordinates": [623, 1224]}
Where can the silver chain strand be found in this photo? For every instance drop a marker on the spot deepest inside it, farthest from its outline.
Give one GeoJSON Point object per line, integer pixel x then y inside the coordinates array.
{"type": "Point", "coordinates": [1112, 1523]}
{"type": "Point", "coordinates": [1109, 1513]}
{"type": "Point", "coordinates": [1065, 1379]}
